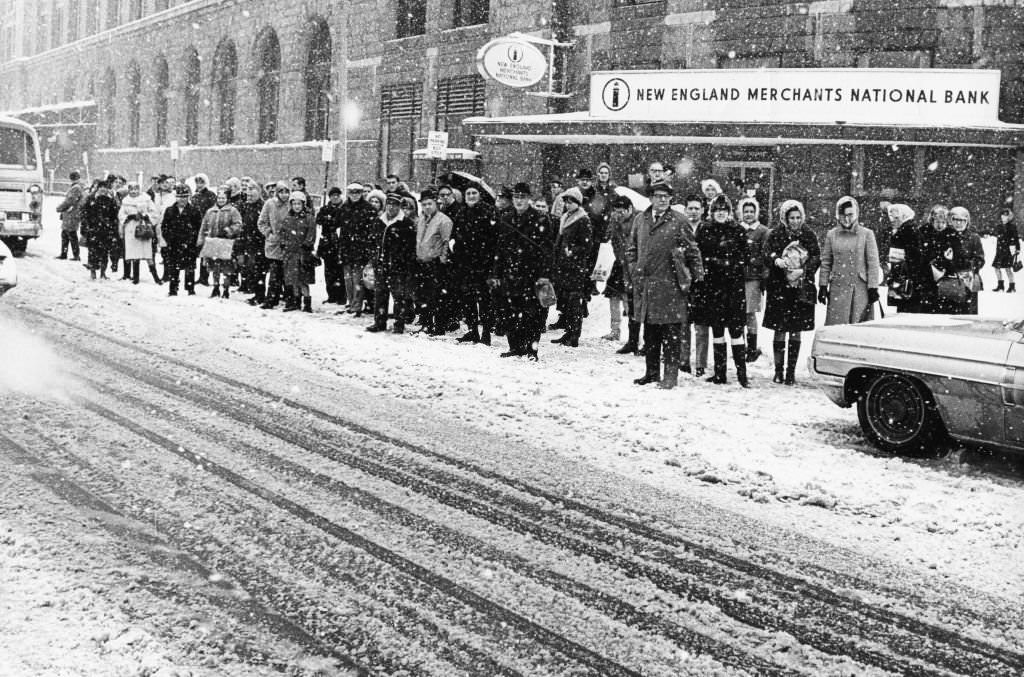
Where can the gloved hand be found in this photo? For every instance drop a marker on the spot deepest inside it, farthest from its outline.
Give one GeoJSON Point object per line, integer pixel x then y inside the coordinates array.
{"type": "Point", "coordinates": [872, 295]}
{"type": "Point", "coordinates": [823, 294]}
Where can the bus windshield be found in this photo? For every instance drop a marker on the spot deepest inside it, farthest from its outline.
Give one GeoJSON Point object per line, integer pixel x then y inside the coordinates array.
{"type": "Point", "coordinates": [17, 148]}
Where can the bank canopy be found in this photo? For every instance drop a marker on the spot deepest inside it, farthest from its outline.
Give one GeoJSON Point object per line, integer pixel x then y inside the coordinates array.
{"type": "Point", "coordinates": [768, 107]}
{"type": "Point", "coordinates": [580, 128]}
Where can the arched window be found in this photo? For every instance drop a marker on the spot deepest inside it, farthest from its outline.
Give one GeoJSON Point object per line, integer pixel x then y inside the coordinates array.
{"type": "Point", "coordinates": [191, 90]}
{"type": "Point", "coordinates": [161, 81]}
{"type": "Point", "coordinates": [225, 70]}
{"type": "Point", "coordinates": [318, 81]}
{"type": "Point", "coordinates": [110, 105]}
{"type": "Point", "coordinates": [268, 82]}
{"type": "Point", "coordinates": [134, 91]}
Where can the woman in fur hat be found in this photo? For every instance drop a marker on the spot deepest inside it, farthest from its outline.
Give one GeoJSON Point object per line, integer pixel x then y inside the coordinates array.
{"type": "Point", "coordinates": [723, 248]}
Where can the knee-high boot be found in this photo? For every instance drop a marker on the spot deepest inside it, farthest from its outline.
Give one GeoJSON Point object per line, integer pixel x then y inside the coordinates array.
{"type": "Point", "coordinates": [752, 352]}
{"type": "Point", "coordinates": [631, 345]}
{"type": "Point", "coordinates": [721, 359]}
{"type": "Point", "coordinates": [794, 355]}
{"type": "Point", "coordinates": [739, 358]}
{"type": "Point", "coordinates": [779, 350]}
{"type": "Point", "coordinates": [652, 359]}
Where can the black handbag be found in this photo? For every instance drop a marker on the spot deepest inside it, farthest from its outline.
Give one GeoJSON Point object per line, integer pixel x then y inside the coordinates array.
{"type": "Point", "coordinates": [144, 230]}
{"type": "Point", "coordinates": [951, 289]}
{"type": "Point", "coordinates": [1016, 266]}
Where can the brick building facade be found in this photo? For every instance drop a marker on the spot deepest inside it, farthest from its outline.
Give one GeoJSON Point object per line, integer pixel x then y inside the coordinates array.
{"type": "Point", "coordinates": [252, 87]}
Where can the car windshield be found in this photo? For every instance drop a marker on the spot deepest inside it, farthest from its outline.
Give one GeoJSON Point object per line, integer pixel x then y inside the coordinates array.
{"type": "Point", "coordinates": [17, 148]}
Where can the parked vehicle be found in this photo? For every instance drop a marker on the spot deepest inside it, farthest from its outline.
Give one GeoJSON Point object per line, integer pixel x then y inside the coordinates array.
{"type": "Point", "coordinates": [919, 380]}
{"type": "Point", "coordinates": [8, 270]}
{"type": "Point", "coordinates": [21, 184]}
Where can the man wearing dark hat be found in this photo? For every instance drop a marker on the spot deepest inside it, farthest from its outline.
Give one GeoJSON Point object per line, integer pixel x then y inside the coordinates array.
{"type": "Point", "coordinates": [328, 219]}
{"type": "Point", "coordinates": [180, 228]}
{"type": "Point", "coordinates": [660, 247]}
{"type": "Point", "coordinates": [393, 266]}
{"type": "Point", "coordinates": [523, 258]}
{"type": "Point", "coordinates": [70, 210]}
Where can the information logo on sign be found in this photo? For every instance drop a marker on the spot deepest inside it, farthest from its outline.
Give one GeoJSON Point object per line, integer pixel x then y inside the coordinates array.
{"type": "Point", "coordinates": [511, 62]}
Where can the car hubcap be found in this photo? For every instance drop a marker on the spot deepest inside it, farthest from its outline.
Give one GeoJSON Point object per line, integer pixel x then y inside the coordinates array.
{"type": "Point", "coordinates": [896, 409]}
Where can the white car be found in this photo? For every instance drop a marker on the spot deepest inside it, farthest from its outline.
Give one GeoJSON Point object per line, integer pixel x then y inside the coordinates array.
{"type": "Point", "coordinates": [8, 269]}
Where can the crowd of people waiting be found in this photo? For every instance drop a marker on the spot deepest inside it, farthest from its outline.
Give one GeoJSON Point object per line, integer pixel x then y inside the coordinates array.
{"type": "Point", "coordinates": [688, 270]}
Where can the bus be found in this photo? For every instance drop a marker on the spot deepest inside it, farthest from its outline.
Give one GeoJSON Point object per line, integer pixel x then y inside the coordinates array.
{"type": "Point", "coordinates": [21, 184]}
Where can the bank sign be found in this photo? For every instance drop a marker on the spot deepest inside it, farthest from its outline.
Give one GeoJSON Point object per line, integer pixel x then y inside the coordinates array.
{"type": "Point", "coordinates": [800, 95]}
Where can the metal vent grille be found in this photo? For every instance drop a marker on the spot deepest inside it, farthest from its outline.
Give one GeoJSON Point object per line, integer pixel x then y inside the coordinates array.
{"type": "Point", "coordinates": [461, 96]}
{"type": "Point", "coordinates": [401, 102]}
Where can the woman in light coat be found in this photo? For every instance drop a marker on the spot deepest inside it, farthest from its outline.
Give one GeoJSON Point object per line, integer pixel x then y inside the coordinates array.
{"type": "Point", "coordinates": [850, 269]}
{"type": "Point", "coordinates": [222, 220]}
{"type": "Point", "coordinates": [137, 209]}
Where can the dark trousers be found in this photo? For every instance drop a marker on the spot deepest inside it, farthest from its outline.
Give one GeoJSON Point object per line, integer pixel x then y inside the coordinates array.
{"type": "Point", "coordinates": [664, 340]}
{"type": "Point", "coordinates": [526, 322]}
{"type": "Point", "coordinates": [398, 286]}
{"type": "Point", "coordinates": [173, 270]}
{"type": "Point", "coordinates": [99, 252]}
{"type": "Point", "coordinates": [475, 296]}
{"type": "Point", "coordinates": [573, 303]}
{"type": "Point", "coordinates": [275, 280]}
{"type": "Point", "coordinates": [69, 237]}
{"type": "Point", "coordinates": [428, 282]}
{"type": "Point", "coordinates": [334, 279]}
{"type": "Point", "coordinates": [253, 274]}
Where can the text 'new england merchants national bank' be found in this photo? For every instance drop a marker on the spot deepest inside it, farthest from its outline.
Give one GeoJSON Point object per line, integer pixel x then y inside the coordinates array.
{"type": "Point", "coordinates": [854, 96]}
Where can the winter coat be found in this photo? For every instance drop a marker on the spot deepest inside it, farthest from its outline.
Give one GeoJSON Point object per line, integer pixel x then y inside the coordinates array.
{"type": "Point", "coordinates": [432, 235]}
{"type": "Point", "coordinates": [720, 300]}
{"type": "Point", "coordinates": [790, 308]}
{"type": "Point", "coordinates": [99, 221]}
{"type": "Point", "coordinates": [329, 221]}
{"type": "Point", "coordinates": [396, 255]}
{"type": "Point", "coordinates": [572, 253]}
{"type": "Point", "coordinates": [1007, 242]}
{"type": "Point", "coordinates": [908, 273]}
{"type": "Point", "coordinates": [848, 288]}
{"type": "Point", "coordinates": [270, 222]}
{"type": "Point", "coordinates": [250, 242]}
{"type": "Point", "coordinates": [161, 201]}
{"type": "Point", "coordinates": [70, 209]}
{"type": "Point", "coordinates": [133, 211]}
{"type": "Point", "coordinates": [524, 250]}
{"type": "Point", "coordinates": [474, 238]}
{"type": "Point", "coordinates": [204, 199]}
{"type": "Point", "coordinates": [658, 298]}
{"type": "Point", "coordinates": [355, 240]}
{"type": "Point", "coordinates": [618, 231]}
{"type": "Point", "coordinates": [297, 235]}
{"type": "Point", "coordinates": [756, 268]}
{"type": "Point", "coordinates": [224, 222]}
{"type": "Point", "coordinates": [180, 228]}
{"type": "Point", "coordinates": [934, 244]}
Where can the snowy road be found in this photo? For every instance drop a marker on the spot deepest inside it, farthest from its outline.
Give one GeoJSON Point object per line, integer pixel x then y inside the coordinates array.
{"type": "Point", "coordinates": [199, 487]}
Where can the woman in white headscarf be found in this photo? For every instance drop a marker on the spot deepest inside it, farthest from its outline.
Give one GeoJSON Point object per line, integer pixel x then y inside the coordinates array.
{"type": "Point", "coordinates": [850, 270]}
{"type": "Point", "coordinates": [906, 286]}
{"type": "Point", "coordinates": [793, 256]}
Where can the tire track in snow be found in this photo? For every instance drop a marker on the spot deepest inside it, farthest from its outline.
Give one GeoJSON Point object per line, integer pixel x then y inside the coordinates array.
{"type": "Point", "coordinates": [963, 654]}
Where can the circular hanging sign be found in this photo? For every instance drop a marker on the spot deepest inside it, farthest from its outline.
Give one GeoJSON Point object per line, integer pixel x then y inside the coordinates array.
{"type": "Point", "coordinates": [513, 63]}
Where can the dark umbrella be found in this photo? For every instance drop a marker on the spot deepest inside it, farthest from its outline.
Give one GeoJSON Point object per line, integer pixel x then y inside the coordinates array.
{"type": "Point", "coordinates": [463, 180]}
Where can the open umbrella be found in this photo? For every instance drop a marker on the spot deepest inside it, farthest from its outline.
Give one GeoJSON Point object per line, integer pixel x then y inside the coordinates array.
{"type": "Point", "coordinates": [640, 202]}
{"type": "Point", "coordinates": [463, 180]}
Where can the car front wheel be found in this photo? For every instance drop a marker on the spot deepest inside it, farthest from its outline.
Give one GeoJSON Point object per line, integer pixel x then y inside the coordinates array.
{"type": "Point", "coordinates": [17, 245]}
{"type": "Point", "coordinates": [897, 414]}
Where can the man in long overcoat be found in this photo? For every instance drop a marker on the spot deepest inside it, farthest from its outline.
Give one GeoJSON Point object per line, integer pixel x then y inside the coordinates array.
{"type": "Point", "coordinates": [661, 241]}
{"type": "Point", "coordinates": [180, 228]}
{"type": "Point", "coordinates": [522, 259]}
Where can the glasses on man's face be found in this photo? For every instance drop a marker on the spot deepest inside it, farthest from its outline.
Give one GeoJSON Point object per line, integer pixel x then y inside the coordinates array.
{"type": "Point", "coordinates": [662, 196]}
{"type": "Point", "coordinates": [958, 219]}
{"type": "Point", "coordinates": [444, 195]}
{"type": "Point", "coordinates": [657, 171]}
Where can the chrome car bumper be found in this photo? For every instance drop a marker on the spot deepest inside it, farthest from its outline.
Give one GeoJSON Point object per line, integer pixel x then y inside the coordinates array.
{"type": "Point", "coordinates": [19, 229]}
{"type": "Point", "coordinates": [833, 386]}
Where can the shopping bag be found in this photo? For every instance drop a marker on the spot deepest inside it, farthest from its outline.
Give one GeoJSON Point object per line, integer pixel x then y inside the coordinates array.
{"type": "Point", "coordinates": [605, 261]}
{"type": "Point", "coordinates": [545, 292]}
{"type": "Point", "coordinates": [951, 289]}
{"type": "Point", "coordinates": [217, 248]}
